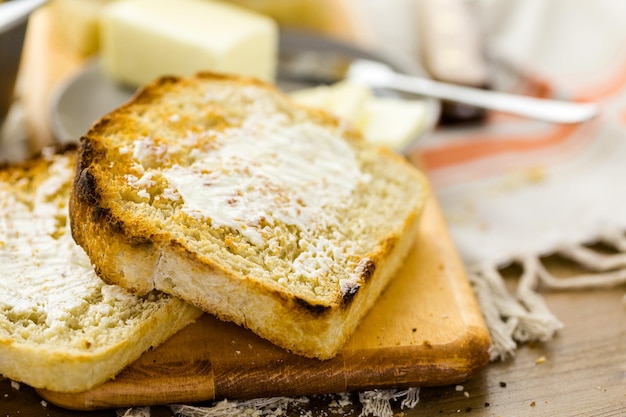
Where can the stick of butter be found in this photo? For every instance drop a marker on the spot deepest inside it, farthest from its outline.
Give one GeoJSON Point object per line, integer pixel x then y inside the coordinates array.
{"type": "Point", "coordinates": [394, 122]}
{"type": "Point", "coordinates": [344, 99]}
{"type": "Point", "coordinates": [146, 39]}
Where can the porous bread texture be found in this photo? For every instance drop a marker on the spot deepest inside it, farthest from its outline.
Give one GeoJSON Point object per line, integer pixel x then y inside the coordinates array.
{"type": "Point", "coordinates": [61, 327]}
{"type": "Point", "coordinates": [222, 191]}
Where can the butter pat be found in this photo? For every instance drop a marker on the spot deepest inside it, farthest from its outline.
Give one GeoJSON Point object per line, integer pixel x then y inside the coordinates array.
{"type": "Point", "coordinates": [394, 122]}
{"type": "Point", "coordinates": [146, 39]}
{"type": "Point", "coordinates": [344, 99]}
{"type": "Point", "coordinates": [386, 121]}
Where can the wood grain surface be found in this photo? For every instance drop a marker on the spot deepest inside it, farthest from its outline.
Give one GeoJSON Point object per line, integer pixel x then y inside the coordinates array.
{"type": "Point", "coordinates": [584, 374]}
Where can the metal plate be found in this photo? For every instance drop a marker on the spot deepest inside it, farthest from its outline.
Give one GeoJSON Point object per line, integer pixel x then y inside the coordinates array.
{"type": "Point", "coordinates": [304, 61]}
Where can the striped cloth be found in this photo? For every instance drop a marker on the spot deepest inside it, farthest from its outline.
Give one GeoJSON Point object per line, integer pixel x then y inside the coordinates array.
{"type": "Point", "coordinates": [516, 190]}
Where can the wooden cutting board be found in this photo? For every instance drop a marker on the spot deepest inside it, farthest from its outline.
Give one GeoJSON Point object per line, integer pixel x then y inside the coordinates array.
{"type": "Point", "coordinates": [425, 330]}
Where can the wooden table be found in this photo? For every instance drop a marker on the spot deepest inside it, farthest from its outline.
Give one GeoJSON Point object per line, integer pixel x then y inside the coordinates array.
{"type": "Point", "coordinates": [584, 373]}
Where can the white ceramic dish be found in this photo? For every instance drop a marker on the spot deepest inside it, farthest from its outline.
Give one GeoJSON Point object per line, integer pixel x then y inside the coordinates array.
{"type": "Point", "coordinates": [304, 61]}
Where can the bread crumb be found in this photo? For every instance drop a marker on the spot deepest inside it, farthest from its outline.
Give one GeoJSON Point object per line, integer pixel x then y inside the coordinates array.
{"type": "Point", "coordinates": [43, 403]}
{"type": "Point", "coordinates": [15, 385]}
{"type": "Point", "coordinates": [536, 174]}
{"type": "Point", "coordinates": [171, 194]}
{"type": "Point", "coordinates": [540, 360]}
{"type": "Point", "coordinates": [524, 177]}
{"type": "Point", "coordinates": [466, 394]}
{"type": "Point", "coordinates": [345, 401]}
{"type": "Point", "coordinates": [459, 388]}
{"type": "Point", "coordinates": [533, 404]}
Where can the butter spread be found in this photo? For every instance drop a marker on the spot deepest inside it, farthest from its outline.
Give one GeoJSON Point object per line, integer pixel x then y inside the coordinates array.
{"type": "Point", "coordinates": [48, 282]}
{"type": "Point", "coordinates": [268, 171]}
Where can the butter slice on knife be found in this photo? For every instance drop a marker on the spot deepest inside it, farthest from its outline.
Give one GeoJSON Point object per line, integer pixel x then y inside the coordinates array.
{"type": "Point", "coordinates": [386, 121]}
{"type": "Point", "coordinates": [344, 99]}
{"type": "Point", "coordinates": [145, 39]}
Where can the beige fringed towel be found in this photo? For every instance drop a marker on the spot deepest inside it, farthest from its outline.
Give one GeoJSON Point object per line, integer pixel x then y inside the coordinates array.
{"type": "Point", "coordinates": [516, 190]}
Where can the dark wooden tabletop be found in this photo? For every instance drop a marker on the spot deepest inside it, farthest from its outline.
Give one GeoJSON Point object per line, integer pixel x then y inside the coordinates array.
{"type": "Point", "coordinates": [582, 372]}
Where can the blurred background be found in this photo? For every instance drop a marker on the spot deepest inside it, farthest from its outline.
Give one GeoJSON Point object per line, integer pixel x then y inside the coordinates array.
{"type": "Point", "coordinates": [556, 48]}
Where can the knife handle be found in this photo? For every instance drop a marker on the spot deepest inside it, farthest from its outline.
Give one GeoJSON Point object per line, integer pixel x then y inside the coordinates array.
{"type": "Point", "coordinates": [452, 52]}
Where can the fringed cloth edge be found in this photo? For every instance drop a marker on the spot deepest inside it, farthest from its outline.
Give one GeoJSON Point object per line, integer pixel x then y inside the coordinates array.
{"type": "Point", "coordinates": [523, 316]}
{"type": "Point", "coordinates": [376, 403]}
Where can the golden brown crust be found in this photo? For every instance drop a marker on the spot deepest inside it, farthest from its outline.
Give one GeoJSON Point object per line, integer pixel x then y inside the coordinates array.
{"type": "Point", "coordinates": [134, 252]}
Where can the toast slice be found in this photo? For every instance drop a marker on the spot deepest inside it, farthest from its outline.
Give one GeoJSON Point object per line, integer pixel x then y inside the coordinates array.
{"type": "Point", "coordinates": [61, 327]}
{"type": "Point", "coordinates": [222, 191]}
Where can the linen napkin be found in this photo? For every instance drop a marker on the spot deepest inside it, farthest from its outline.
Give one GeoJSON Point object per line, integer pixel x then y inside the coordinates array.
{"type": "Point", "coordinates": [515, 190]}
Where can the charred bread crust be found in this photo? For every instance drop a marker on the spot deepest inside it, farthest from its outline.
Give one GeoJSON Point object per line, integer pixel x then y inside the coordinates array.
{"type": "Point", "coordinates": [103, 236]}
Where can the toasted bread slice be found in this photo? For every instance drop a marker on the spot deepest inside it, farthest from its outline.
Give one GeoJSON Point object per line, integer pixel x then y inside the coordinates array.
{"type": "Point", "coordinates": [222, 191]}
{"type": "Point", "coordinates": [61, 327]}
